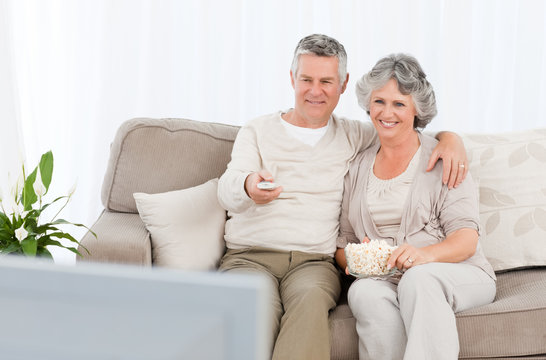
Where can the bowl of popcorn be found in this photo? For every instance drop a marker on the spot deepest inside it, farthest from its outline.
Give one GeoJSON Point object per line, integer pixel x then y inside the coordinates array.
{"type": "Point", "coordinates": [369, 259]}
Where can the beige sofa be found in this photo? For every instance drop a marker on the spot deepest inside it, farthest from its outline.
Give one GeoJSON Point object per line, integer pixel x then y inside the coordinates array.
{"type": "Point", "coordinates": [160, 155]}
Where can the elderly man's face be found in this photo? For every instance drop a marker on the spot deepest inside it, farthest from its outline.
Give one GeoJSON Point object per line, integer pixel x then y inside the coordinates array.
{"type": "Point", "coordinates": [317, 90]}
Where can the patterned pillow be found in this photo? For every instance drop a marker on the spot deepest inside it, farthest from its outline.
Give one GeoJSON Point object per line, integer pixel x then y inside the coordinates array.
{"type": "Point", "coordinates": [511, 171]}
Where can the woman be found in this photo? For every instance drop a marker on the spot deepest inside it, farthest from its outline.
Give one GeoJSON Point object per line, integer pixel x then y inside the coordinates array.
{"type": "Point", "coordinates": [389, 195]}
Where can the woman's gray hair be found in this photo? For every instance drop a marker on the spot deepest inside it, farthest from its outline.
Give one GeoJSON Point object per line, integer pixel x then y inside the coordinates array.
{"type": "Point", "coordinates": [321, 45]}
{"type": "Point", "coordinates": [411, 79]}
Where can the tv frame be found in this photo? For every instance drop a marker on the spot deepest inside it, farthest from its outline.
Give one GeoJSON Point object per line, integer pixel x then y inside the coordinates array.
{"type": "Point", "coordinates": [99, 311]}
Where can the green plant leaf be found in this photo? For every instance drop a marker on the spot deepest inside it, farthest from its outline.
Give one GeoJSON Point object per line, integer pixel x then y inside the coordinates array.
{"type": "Point", "coordinates": [28, 196]}
{"type": "Point", "coordinates": [46, 241]}
{"type": "Point", "coordinates": [50, 242]}
{"type": "Point", "coordinates": [5, 225]}
{"type": "Point", "coordinates": [46, 227]}
{"type": "Point", "coordinates": [45, 206]}
{"type": "Point", "coordinates": [5, 235]}
{"type": "Point", "coordinates": [74, 250]}
{"type": "Point", "coordinates": [62, 221]}
{"type": "Point", "coordinates": [30, 223]}
{"type": "Point", "coordinates": [11, 248]}
{"type": "Point", "coordinates": [62, 235]}
{"type": "Point", "coordinates": [46, 168]}
{"type": "Point", "coordinates": [17, 222]}
{"type": "Point", "coordinates": [4, 219]}
{"type": "Point", "coordinates": [29, 246]}
{"type": "Point", "coordinates": [6, 238]}
{"type": "Point", "coordinates": [35, 213]}
{"type": "Point", "coordinates": [43, 252]}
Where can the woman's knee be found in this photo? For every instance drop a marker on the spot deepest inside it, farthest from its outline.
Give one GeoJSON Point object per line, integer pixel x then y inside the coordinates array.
{"type": "Point", "coordinates": [421, 280]}
{"type": "Point", "coordinates": [418, 274]}
{"type": "Point", "coordinates": [368, 293]}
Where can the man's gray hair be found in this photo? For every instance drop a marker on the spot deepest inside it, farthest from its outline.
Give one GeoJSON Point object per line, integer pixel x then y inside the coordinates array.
{"type": "Point", "coordinates": [411, 79]}
{"type": "Point", "coordinates": [321, 45]}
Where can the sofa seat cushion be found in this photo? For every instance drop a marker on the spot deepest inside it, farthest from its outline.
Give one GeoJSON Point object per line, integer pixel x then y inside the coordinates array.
{"type": "Point", "coordinates": [513, 325]}
{"type": "Point", "coordinates": [344, 339]}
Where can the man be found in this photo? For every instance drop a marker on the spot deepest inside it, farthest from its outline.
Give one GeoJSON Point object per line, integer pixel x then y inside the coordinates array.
{"type": "Point", "coordinates": [289, 233]}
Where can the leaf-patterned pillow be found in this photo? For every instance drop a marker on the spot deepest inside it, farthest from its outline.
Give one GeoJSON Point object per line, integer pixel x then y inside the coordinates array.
{"type": "Point", "coordinates": [511, 170]}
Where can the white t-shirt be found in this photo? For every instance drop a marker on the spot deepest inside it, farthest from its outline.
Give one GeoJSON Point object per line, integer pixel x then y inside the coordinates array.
{"type": "Point", "coordinates": [306, 135]}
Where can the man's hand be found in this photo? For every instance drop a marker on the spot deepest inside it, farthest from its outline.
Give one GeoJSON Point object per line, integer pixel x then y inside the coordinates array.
{"type": "Point", "coordinates": [261, 196]}
{"type": "Point", "coordinates": [451, 150]}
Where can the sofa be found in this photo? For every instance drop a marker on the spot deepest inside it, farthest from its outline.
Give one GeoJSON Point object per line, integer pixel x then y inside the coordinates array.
{"type": "Point", "coordinates": [163, 156]}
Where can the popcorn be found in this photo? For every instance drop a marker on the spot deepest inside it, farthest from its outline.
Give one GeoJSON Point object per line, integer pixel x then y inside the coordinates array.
{"type": "Point", "coordinates": [369, 258]}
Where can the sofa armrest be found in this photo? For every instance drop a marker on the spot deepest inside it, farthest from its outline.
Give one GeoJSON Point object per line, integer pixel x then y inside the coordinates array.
{"type": "Point", "coordinates": [121, 238]}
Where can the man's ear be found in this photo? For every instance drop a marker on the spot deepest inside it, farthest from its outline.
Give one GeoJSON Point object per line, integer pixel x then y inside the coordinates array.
{"type": "Point", "coordinates": [344, 86]}
{"type": "Point", "coordinates": [292, 80]}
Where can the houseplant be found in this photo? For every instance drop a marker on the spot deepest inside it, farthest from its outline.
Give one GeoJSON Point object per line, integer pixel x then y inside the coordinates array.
{"type": "Point", "coordinates": [22, 229]}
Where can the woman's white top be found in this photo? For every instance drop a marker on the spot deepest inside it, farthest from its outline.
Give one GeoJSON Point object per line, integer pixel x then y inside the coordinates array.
{"type": "Point", "coordinates": [386, 198]}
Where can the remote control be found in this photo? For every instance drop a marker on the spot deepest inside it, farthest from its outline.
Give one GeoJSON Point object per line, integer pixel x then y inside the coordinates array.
{"type": "Point", "coordinates": [267, 185]}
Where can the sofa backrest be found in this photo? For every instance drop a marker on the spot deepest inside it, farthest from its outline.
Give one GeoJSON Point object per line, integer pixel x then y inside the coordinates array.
{"type": "Point", "coordinates": [159, 155]}
{"type": "Point", "coordinates": [510, 170]}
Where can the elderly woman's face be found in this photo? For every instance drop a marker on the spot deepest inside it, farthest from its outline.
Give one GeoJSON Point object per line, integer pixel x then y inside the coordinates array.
{"type": "Point", "coordinates": [392, 112]}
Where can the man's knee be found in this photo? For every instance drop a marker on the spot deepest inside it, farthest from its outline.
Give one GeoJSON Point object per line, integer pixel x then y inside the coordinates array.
{"type": "Point", "coordinates": [313, 298]}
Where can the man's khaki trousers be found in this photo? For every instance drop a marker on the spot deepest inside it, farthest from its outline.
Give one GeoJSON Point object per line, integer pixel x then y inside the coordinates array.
{"type": "Point", "coordinates": [307, 288]}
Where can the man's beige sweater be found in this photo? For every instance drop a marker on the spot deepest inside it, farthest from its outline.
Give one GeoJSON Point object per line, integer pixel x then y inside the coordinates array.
{"type": "Point", "coordinates": [305, 217]}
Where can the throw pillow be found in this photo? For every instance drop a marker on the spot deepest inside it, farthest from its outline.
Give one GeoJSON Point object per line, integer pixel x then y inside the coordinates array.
{"type": "Point", "coordinates": [512, 169]}
{"type": "Point", "coordinates": [186, 226]}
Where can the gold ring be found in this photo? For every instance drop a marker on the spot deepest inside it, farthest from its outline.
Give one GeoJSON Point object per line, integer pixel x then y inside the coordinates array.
{"type": "Point", "coordinates": [410, 260]}
{"type": "Point", "coordinates": [461, 165]}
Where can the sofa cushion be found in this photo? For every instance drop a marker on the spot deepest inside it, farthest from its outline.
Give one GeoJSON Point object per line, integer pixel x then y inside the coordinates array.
{"type": "Point", "coordinates": [344, 339]}
{"type": "Point", "coordinates": [160, 155]}
{"type": "Point", "coordinates": [186, 226]}
{"type": "Point", "coordinates": [513, 325]}
{"type": "Point", "coordinates": [511, 169]}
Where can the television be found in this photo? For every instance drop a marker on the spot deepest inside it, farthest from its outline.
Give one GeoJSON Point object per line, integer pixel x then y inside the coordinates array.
{"type": "Point", "coordinates": [99, 311]}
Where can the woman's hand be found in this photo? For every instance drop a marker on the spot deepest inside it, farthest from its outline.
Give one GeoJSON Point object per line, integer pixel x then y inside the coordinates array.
{"type": "Point", "coordinates": [407, 256]}
{"type": "Point", "coordinates": [456, 247]}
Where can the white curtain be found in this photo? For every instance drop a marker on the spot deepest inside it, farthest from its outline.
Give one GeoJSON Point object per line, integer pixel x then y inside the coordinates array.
{"type": "Point", "coordinates": [73, 71]}
{"type": "Point", "coordinates": [11, 141]}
